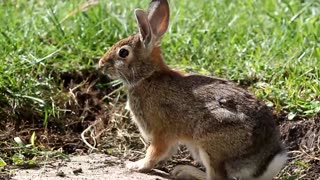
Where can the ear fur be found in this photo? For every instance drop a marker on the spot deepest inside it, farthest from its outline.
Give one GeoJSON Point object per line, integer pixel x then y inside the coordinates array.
{"type": "Point", "coordinates": [154, 24]}
{"type": "Point", "coordinates": [144, 26]}
{"type": "Point", "coordinates": [158, 15]}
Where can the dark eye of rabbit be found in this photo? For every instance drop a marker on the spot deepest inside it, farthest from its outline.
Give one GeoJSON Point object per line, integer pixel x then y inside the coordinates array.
{"type": "Point", "coordinates": [123, 53]}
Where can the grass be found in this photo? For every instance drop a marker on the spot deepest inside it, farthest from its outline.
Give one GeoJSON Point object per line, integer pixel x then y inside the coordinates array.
{"type": "Point", "coordinates": [273, 47]}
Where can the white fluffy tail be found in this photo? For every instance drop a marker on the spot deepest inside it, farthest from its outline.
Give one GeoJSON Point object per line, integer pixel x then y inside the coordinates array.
{"type": "Point", "coordinates": [274, 167]}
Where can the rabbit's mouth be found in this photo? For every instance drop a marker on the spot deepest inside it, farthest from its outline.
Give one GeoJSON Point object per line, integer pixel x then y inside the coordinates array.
{"type": "Point", "coordinates": [111, 73]}
{"type": "Point", "coordinates": [113, 76]}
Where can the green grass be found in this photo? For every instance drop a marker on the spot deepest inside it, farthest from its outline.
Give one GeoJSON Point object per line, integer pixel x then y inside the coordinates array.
{"type": "Point", "coordinates": [274, 45]}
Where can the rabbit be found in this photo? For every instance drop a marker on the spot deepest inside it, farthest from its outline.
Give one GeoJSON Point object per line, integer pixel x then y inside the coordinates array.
{"type": "Point", "coordinates": [226, 128]}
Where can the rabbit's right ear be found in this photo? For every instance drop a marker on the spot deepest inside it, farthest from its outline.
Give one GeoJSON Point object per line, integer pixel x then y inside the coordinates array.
{"type": "Point", "coordinates": [144, 27]}
{"type": "Point", "coordinates": [158, 15]}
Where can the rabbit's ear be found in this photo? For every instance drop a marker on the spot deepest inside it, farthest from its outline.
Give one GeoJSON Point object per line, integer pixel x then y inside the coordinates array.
{"type": "Point", "coordinates": [144, 26]}
{"type": "Point", "coordinates": [158, 15]}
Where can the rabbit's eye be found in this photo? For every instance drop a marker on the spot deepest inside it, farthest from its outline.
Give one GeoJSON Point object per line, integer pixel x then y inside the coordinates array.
{"type": "Point", "coordinates": [123, 52]}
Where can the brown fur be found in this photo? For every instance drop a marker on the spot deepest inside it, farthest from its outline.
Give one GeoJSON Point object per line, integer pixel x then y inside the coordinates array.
{"type": "Point", "coordinates": [226, 126]}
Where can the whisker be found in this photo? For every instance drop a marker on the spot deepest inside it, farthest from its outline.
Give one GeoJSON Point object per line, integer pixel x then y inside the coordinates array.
{"type": "Point", "coordinates": [124, 78]}
{"type": "Point", "coordinates": [133, 73]}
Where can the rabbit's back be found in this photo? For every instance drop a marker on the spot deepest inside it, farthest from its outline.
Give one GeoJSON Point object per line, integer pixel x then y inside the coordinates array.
{"type": "Point", "coordinates": [184, 102]}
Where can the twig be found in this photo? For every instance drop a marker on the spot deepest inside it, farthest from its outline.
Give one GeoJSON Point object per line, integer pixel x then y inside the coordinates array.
{"type": "Point", "coordinates": [84, 139]}
{"type": "Point", "coordinates": [309, 155]}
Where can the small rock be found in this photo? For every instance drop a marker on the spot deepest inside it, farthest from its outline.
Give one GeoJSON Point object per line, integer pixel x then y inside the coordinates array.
{"type": "Point", "coordinates": [61, 173]}
{"type": "Point", "coordinates": [77, 171]}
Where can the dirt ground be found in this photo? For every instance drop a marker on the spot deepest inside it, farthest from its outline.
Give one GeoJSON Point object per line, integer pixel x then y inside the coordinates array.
{"type": "Point", "coordinates": [299, 138]}
{"type": "Point", "coordinates": [302, 138]}
{"type": "Point", "coordinates": [99, 114]}
{"type": "Point", "coordinates": [93, 166]}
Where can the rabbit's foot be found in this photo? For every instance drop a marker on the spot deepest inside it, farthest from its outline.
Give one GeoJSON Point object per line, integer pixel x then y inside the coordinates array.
{"type": "Point", "coordinates": [188, 173]}
{"type": "Point", "coordinates": [140, 166]}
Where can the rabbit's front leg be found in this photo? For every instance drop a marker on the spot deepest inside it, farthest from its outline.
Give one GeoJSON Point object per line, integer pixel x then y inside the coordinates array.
{"type": "Point", "coordinates": [159, 149]}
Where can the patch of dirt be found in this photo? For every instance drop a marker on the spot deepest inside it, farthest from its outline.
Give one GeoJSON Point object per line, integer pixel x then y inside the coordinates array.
{"type": "Point", "coordinates": [302, 138]}
{"type": "Point", "coordinates": [93, 166]}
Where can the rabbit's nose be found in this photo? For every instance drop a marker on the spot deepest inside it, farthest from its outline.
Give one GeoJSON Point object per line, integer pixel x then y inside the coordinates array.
{"type": "Point", "coordinates": [101, 62]}
{"type": "Point", "coordinates": [105, 63]}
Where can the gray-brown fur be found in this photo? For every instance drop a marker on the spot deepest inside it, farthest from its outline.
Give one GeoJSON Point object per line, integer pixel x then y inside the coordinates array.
{"type": "Point", "coordinates": [211, 114]}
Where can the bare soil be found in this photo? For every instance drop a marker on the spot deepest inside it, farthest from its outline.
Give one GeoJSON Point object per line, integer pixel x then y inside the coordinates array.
{"type": "Point", "coordinates": [93, 166]}
{"type": "Point", "coordinates": [92, 104]}
{"type": "Point", "coordinates": [302, 138]}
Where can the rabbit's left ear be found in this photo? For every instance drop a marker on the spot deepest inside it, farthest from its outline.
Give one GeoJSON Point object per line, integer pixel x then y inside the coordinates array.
{"type": "Point", "coordinates": [154, 24]}
{"type": "Point", "coordinates": [144, 26]}
{"type": "Point", "coordinates": [158, 15]}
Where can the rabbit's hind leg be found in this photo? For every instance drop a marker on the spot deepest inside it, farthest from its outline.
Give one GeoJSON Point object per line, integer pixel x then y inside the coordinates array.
{"type": "Point", "coordinates": [215, 170]}
{"type": "Point", "coordinates": [187, 172]}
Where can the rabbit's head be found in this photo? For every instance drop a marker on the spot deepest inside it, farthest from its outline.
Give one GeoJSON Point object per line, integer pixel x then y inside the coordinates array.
{"type": "Point", "coordinates": [138, 56]}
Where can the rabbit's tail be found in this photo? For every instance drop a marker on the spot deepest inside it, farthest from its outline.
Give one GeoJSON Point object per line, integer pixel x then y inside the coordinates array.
{"type": "Point", "coordinates": [250, 171]}
{"type": "Point", "coordinates": [274, 166]}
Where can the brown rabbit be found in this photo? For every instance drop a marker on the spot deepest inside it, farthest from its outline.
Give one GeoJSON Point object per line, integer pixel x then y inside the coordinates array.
{"type": "Point", "coordinates": [225, 127]}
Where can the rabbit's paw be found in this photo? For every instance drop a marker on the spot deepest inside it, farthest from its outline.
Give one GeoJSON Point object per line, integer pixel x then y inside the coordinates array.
{"type": "Point", "coordinates": [139, 166]}
{"type": "Point", "coordinates": [187, 172]}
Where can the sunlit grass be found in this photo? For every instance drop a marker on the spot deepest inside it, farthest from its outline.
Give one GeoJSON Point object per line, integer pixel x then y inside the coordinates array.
{"type": "Point", "coordinates": [273, 45]}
